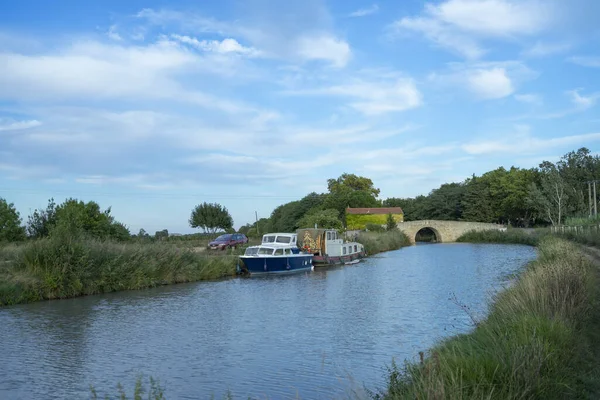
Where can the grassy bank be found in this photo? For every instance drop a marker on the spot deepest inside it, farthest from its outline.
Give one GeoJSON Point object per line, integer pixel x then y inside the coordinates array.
{"type": "Point", "coordinates": [510, 236]}
{"type": "Point", "coordinates": [60, 268]}
{"type": "Point", "coordinates": [539, 340]}
{"type": "Point", "coordinates": [378, 242]}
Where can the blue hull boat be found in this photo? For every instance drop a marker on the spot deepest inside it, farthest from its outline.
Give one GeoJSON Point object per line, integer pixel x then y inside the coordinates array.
{"type": "Point", "coordinates": [277, 254]}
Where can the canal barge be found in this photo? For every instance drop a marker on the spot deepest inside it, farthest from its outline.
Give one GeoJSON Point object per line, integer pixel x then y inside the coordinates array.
{"type": "Point", "coordinates": [328, 247]}
{"type": "Point", "coordinates": [278, 253]}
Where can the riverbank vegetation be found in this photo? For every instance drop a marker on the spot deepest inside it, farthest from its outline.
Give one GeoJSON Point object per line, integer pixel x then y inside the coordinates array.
{"type": "Point", "coordinates": [64, 266]}
{"type": "Point", "coordinates": [378, 242]}
{"type": "Point", "coordinates": [510, 236]}
{"type": "Point", "coordinates": [539, 340]}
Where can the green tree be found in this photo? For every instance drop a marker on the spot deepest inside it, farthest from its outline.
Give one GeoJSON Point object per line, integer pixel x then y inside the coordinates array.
{"type": "Point", "coordinates": [328, 219]}
{"type": "Point", "coordinates": [550, 196]}
{"type": "Point", "coordinates": [41, 222]}
{"type": "Point", "coordinates": [354, 182]}
{"type": "Point", "coordinates": [76, 217]}
{"type": "Point", "coordinates": [211, 217]}
{"type": "Point", "coordinates": [350, 190]}
{"type": "Point", "coordinates": [162, 235]}
{"type": "Point", "coordinates": [10, 223]}
{"type": "Point", "coordinates": [391, 222]}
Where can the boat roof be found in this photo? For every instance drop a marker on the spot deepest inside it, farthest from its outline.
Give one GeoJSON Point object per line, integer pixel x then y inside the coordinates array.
{"type": "Point", "coordinates": [280, 234]}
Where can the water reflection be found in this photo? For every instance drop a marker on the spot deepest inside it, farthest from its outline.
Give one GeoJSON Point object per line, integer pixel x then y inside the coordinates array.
{"type": "Point", "coordinates": [316, 335]}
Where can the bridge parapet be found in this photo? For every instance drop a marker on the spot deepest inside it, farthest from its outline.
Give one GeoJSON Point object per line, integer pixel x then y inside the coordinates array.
{"type": "Point", "coordinates": [445, 231]}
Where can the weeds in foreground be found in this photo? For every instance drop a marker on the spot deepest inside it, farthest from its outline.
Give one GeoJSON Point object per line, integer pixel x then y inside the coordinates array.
{"type": "Point", "coordinates": [533, 344]}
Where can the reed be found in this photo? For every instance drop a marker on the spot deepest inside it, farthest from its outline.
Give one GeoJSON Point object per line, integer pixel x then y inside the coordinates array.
{"type": "Point", "coordinates": [510, 236]}
{"type": "Point", "coordinates": [64, 267]}
{"type": "Point", "coordinates": [537, 342]}
{"type": "Point", "coordinates": [378, 242]}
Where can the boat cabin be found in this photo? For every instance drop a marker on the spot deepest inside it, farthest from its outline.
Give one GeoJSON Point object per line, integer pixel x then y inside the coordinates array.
{"type": "Point", "coordinates": [327, 242]}
{"type": "Point", "coordinates": [262, 251]}
{"type": "Point", "coordinates": [288, 239]}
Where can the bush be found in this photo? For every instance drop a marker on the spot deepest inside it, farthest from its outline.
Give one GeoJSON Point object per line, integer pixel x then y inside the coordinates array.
{"type": "Point", "coordinates": [374, 227]}
{"type": "Point", "coordinates": [377, 242]}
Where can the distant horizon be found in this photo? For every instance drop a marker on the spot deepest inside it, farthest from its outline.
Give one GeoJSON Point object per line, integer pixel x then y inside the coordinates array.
{"type": "Point", "coordinates": [152, 109]}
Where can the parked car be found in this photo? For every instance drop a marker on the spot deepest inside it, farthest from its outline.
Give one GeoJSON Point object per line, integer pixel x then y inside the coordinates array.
{"type": "Point", "coordinates": [229, 240]}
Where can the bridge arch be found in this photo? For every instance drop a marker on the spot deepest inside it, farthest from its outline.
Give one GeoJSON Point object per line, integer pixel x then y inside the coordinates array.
{"type": "Point", "coordinates": [445, 231]}
{"type": "Point", "coordinates": [437, 236]}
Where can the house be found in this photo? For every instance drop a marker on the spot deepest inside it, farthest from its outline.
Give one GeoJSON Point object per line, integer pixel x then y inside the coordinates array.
{"type": "Point", "coordinates": [358, 218]}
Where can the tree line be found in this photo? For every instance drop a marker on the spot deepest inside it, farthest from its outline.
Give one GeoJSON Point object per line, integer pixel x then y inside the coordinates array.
{"type": "Point", "coordinates": [546, 195]}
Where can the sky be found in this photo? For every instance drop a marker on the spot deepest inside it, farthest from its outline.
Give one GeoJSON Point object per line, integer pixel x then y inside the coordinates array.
{"type": "Point", "coordinates": [152, 107]}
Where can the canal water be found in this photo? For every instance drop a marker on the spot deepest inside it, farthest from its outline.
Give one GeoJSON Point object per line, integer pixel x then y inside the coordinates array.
{"type": "Point", "coordinates": [320, 335]}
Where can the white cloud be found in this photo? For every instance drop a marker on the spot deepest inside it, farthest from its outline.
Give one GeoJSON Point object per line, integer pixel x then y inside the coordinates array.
{"type": "Point", "coordinates": [113, 34]}
{"type": "Point", "coordinates": [373, 97]}
{"type": "Point", "coordinates": [522, 142]}
{"type": "Point", "coordinates": [582, 102]}
{"type": "Point", "coordinates": [585, 61]}
{"type": "Point", "coordinates": [365, 11]}
{"type": "Point", "coordinates": [490, 83]}
{"type": "Point", "coordinates": [324, 47]}
{"type": "Point", "coordinates": [459, 24]}
{"type": "Point", "coordinates": [491, 80]}
{"type": "Point", "coordinates": [224, 46]}
{"type": "Point", "coordinates": [11, 125]}
{"type": "Point", "coordinates": [541, 49]}
{"type": "Point", "coordinates": [529, 98]}
{"type": "Point", "coordinates": [110, 71]}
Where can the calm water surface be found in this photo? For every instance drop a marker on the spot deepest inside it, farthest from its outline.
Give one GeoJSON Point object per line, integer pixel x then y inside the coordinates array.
{"type": "Point", "coordinates": [320, 335]}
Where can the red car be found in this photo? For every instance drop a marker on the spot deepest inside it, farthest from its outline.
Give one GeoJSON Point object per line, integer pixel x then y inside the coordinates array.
{"type": "Point", "coordinates": [228, 240]}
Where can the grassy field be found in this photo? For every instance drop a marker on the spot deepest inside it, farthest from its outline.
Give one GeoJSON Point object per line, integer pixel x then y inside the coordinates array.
{"type": "Point", "coordinates": [66, 267]}
{"type": "Point", "coordinates": [540, 340]}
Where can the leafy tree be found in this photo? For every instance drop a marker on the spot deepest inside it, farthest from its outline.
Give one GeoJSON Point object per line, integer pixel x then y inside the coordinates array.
{"type": "Point", "coordinates": [550, 196]}
{"type": "Point", "coordinates": [41, 222]}
{"type": "Point", "coordinates": [353, 182]}
{"type": "Point", "coordinates": [211, 217]}
{"type": "Point", "coordinates": [328, 219]}
{"type": "Point", "coordinates": [76, 217]}
{"type": "Point", "coordinates": [350, 190]}
{"type": "Point", "coordinates": [391, 222]}
{"type": "Point", "coordinates": [10, 223]}
{"type": "Point", "coordinates": [162, 235]}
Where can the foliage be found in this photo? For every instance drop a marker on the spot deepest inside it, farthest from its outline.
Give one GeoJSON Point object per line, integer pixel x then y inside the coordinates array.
{"type": "Point", "coordinates": [511, 236]}
{"type": "Point", "coordinates": [64, 266]}
{"type": "Point", "coordinates": [352, 182]}
{"type": "Point", "coordinates": [371, 227]}
{"type": "Point", "coordinates": [155, 391]}
{"type": "Point", "coordinates": [41, 222]}
{"type": "Point", "coordinates": [287, 217]}
{"type": "Point", "coordinates": [360, 221]}
{"type": "Point", "coordinates": [534, 343]}
{"type": "Point", "coordinates": [378, 242]}
{"type": "Point", "coordinates": [390, 222]}
{"type": "Point", "coordinates": [211, 217]}
{"type": "Point", "coordinates": [10, 223]}
{"type": "Point", "coordinates": [549, 198]}
{"type": "Point", "coordinates": [162, 235]}
{"type": "Point", "coordinates": [327, 219]}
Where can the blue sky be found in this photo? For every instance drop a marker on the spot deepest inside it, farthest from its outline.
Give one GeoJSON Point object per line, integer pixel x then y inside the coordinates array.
{"type": "Point", "coordinates": [152, 107]}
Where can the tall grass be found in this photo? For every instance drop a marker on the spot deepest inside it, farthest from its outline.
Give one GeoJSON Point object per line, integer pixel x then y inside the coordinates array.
{"type": "Point", "coordinates": [582, 221]}
{"type": "Point", "coordinates": [378, 242]}
{"type": "Point", "coordinates": [510, 236]}
{"type": "Point", "coordinates": [535, 342]}
{"type": "Point", "coordinates": [64, 267]}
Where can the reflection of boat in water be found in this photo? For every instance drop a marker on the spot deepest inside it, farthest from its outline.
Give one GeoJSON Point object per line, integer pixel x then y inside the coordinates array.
{"type": "Point", "coordinates": [328, 247]}
{"type": "Point", "coordinates": [277, 254]}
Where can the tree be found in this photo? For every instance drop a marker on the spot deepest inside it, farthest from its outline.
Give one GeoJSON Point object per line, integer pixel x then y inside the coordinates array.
{"type": "Point", "coordinates": [328, 219]}
{"type": "Point", "coordinates": [10, 223]}
{"type": "Point", "coordinates": [41, 222]}
{"type": "Point", "coordinates": [353, 182]}
{"type": "Point", "coordinates": [549, 197]}
{"type": "Point", "coordinates": [76, 217]}
{"type": "Point", "coordinates": [211, 217]}
{"type": "Point", "coordinates": [162, 235]}
{"type": "Point", "coordinates": [391, 222]}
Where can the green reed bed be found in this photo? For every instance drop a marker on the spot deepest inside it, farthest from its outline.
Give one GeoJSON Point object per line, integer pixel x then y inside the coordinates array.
{"type": "Point", "coordinates": [510, 236]}
{"type": "Point", "coordinates": [378, 242]}
{"type": "Point", "coordinates": [538, 342]}
{"type": "Point", "coordinates": [64, 267]}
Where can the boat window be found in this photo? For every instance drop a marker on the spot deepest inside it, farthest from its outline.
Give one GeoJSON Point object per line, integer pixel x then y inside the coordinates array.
{"type": "Point", "coordinates": [283, 239]}
{"type": "Point", "coordinates": [279, 252]}
{"type": "Point", "coordinates": [344, 249]}
{"type": "Point", "coordinates": [250, 251]}
{"type": "Point", "coordinates": [265, 251]}
{"type": "Point", "coordinates": [334, 235]}
{"type": "Point", "coordinates": [355, 248]}
{"type": "Point", "coordinates": [268, 239]}
{"type": "Point", "coordinates": [328, 235]}
{"type": "Point", "coordinates": [286, 251]}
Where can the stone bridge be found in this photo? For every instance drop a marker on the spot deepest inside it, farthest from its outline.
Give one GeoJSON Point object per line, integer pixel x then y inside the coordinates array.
{"type": "Point", "coordinates": [445, 231]}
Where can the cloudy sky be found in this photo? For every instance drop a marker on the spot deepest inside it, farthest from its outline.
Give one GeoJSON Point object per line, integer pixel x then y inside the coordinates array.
{"type": "Point", "coordinates": [152, 107]}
